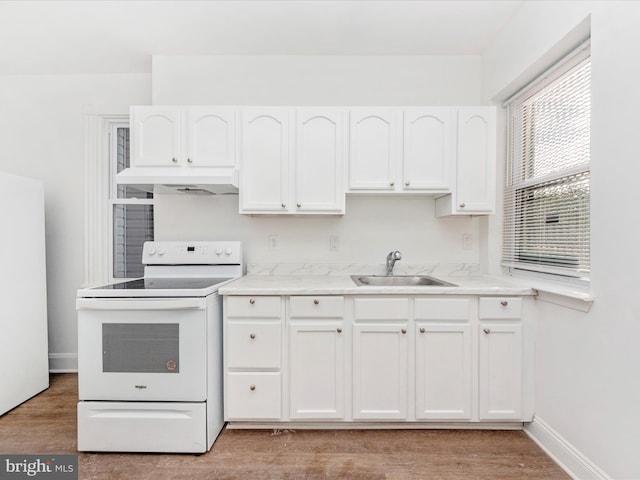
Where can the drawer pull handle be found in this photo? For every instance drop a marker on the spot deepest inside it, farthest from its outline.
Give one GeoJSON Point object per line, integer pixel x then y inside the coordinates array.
{"type": "Point", "coordinates": [174, 160]}
{"type": "Point", "coordinates": [339, 330]}
{"type": "Point", "coordinates": [462, 205]}
{"type": "Point", "coordinates": [252, 388]}
{"type": "Point", "coordinates": [486, 330]}
{"type": "Point", "coordinates": [404, 330]}
{"type": "Point", "coordinates": [316, 301]}
{"type": "Point", "coordinates": [422, 330]}
{"type": "Point", "coordinates": [504, 303]}
{"type": "Point", "coordinates": [252, 336]}
{"type": "Point", "coordinates": [252, 301]}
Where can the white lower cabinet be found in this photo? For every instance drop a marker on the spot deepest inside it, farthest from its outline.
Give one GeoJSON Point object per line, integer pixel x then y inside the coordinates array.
{"type": "Point", "coordinates": [380, 364]}
{"type": "Point", "coordinates": [366, 358]}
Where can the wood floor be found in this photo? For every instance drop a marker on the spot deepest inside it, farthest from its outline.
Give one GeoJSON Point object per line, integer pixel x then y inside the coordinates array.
{"type": "Point", "coordinates": [47, 424]}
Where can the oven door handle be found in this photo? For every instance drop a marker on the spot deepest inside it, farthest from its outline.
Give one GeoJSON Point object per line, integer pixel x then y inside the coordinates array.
{"type": "Point", "coordinates": [141, 304]}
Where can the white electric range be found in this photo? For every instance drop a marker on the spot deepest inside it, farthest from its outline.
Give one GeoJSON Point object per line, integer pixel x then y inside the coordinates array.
{"type": "Point", "coordinates": [150, 352]}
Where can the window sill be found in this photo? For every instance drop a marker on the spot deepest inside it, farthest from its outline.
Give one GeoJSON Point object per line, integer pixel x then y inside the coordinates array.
{"type": "Point", "coordinates": [569, 296]}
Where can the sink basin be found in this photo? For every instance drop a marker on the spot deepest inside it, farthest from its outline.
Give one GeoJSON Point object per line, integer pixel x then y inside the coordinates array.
{"type": "Point", "coordinates": [399, 281]}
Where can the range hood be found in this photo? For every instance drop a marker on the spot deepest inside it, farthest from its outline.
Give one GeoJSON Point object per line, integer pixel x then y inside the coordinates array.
{"type": "Point", "coordinates": [203, 181]}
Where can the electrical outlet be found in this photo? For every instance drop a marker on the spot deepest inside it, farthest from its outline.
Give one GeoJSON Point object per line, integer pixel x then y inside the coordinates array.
{"type": "Point", "coordinates": [467, 240]}
{"type": "Point", "coordinates": [273, 242]}
{"type": "Point", "coordinates": [334, 243]}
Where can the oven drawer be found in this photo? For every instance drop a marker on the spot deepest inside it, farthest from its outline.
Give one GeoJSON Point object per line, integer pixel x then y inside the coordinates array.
{"type": "Point", "coordinates": [256, 306]}
{"type": "Point", "coordinates": [142, 427]}
{"type": "Point", "coordinates": [253, 344]}
{"type": "Point", "coordinates": [253, 396]}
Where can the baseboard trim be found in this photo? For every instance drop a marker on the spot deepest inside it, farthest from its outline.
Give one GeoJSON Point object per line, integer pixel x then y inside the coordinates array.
{"type": "Point", "coordinates": [63, 362]}
{"type": "Point", "coordinates": [563, 453]}
{"type": "Point", "coordinates": [373, 425]}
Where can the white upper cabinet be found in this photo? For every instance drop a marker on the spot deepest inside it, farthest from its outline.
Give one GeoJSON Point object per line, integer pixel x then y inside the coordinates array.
{"type": "Point", "coordinates": [183, 136]}
{"type": "Point", "coordinates": [156, 139]}
{"type": "Point", "coordinates": [373, 149]}
{"type": "Point", "coordinates": [264, 170]}
{"type": "Point", "coordinates": [292, 160]}
{"type": "Point", "coordinates": [429, 141]}
{"type": "Point", "coordinates": [475, 167]}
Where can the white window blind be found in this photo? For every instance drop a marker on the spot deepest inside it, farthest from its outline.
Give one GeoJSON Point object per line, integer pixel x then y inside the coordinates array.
{"type": "Point", "coordinates": [546, 208]}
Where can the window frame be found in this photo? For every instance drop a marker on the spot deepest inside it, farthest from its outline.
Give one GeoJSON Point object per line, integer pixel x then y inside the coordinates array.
{"type": "Point", "coordinates": [514, 169]}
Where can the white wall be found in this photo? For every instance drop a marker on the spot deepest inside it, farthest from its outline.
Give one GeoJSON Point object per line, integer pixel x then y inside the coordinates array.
{"type": "Point", "coordinates": [372, 226]}
{"type": "Point", "coordinates": [587, 389]}
{"type": "Point", "coordinates": [42, 136]}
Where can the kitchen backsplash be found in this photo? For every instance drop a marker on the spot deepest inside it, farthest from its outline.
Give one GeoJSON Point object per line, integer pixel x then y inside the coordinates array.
{"type": "Point", "coordinates": [435, 269]}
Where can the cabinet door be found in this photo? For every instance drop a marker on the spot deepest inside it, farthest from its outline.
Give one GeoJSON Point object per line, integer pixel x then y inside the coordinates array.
{"type": "Point", "coordinates": [476, 158]}
{"type": "Point", "coordinates": [316, 370]}
{"type": "Point", "coordinates": [265, 160]}
{"type": "Point", "coordinates": [211, 133]}
{"type": "Point", "coordinates": [319, 160]}
{"type": "Point", "coordinates": [373, 152]}
{"type": "Point", "coordinates": [427, 149]}
{"type": "Point", "coordinates": [155, 136]}
{"type": "Point", "coordinates": [443, 371]}
{"type": "Point", "coordinates": [500, 373]}
{"type": "Point", "coordinates": [380, 371]}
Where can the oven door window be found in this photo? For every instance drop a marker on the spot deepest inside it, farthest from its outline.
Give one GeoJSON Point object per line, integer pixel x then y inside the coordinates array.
{"type": "Point", "coordinates": [141, 347]}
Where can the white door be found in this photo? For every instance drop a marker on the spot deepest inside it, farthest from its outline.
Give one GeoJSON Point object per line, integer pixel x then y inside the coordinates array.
{"type": "Point", "coordinates": [264, 173]}
{"type": "Point", "coordinates": [427, 149]}
{"type": "Point", "coordinates": [476, 157]}
{"type": "Point", "coordinates": [156, 136]}
{"type": "Point", "coordinates": [211, 136]}
{"type": "Point", "coordinates": [380, 371]}
{"type": "Point", "coordinates": [319, 160]}
{"type": "Point", "coordinates": [443, 371]}
{"type": "Point", "coordinates": [373, 149]}
{"type": "Point", "coordinates": [500, 371]}
{"type": "Point", "coordinates": [316, 370]}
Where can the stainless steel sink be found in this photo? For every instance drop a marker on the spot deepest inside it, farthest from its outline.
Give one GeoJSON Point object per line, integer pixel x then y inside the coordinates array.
{"type": "Point", "coordinates": [399, 281]}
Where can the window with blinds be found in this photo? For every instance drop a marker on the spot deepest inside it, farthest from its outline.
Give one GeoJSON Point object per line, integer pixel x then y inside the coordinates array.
{"type": "Point", "coordinates": [546, 208]}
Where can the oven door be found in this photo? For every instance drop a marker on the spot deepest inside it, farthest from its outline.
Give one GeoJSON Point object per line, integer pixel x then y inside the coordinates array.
{"type": "Point", "coordinates": [144, 349]}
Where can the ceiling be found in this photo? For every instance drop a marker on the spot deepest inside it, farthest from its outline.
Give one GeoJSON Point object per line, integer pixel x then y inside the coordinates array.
{"type": "Point", "coordinates": [58, 37]}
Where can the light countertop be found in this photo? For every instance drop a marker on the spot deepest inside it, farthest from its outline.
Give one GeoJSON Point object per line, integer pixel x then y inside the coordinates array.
{"type": "Point", "coordinates": [343, 285]}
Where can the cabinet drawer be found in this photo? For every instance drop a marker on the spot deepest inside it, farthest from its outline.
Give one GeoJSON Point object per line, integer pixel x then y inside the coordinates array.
{"type": "Point", "coordinates": [500, 307]}
{"type": "Point", "coordinates": [442, 309]}
{"type": "Point", "coordinates": [256, 306]}
{"type": "Point", "coordinates": [316, 307]}
{"type": "Point", "coordinates": [381, 308]}
{"type": "Point", "coordinates": [253, 344]}
{"type": "Point", "coordinates": [253, 396]}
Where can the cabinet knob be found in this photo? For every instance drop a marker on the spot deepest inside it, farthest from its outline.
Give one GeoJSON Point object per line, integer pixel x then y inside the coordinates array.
{"type": "Point", "coordinates": [252, 301]}
{"type": "Point", "coordinates": [407, 183]}
{"type": "Point", "coordinates": [404, 330]}
{"type": "Point", "coordinates": [392, 183]}
{"type": "Point", "coordinates": [252, 388]}
{"type": "Point", "coordinates": [298, 205]}
{"type": "Point", "coordinates": [486, 330]}
{"type": "Point", "coordinates": [284, 205]}
{"type": "Point", "coordinates": [189, 160]}
{"type": "Point", "coordinates": [316, 301]}
{"type": "Point", "coordinates": [339, 330]}
{"type": "Point", "coordinates": [422, 330]}
{"type": "Point", "coordinates": [252, 336]}
{"type": "Point", "coordinates": [504, 303]}
{"type": "Point", "coordinates": [461, 205]}
{"type": "Point", "coordinates": [174, 160]}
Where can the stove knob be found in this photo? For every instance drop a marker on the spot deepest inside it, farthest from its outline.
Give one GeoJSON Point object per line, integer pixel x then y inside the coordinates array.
{"type": "Point", "coordinates": [228, 251]}
{"type": "Point", "coordinates": [218, 251]}
{"type": "Point", "coordinates": [152, 251]}
{"type": "Point", "coordinates": [161, 251]}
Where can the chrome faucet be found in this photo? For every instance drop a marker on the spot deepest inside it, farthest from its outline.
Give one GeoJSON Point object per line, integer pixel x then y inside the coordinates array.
{"type": "Point", "coordinates": [391, 261]}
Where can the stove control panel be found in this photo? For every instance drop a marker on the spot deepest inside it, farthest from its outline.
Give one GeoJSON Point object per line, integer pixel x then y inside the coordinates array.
{"type": "Point", "coordinates": [192, 253]}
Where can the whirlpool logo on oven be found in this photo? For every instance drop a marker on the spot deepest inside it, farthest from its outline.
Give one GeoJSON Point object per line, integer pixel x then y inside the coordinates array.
{"type": "Point", "coordinates": [58, 467]}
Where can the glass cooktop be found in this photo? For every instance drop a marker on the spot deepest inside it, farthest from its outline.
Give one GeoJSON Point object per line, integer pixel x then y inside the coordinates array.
{"type": "Point", "coordinates": [164, 284]}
